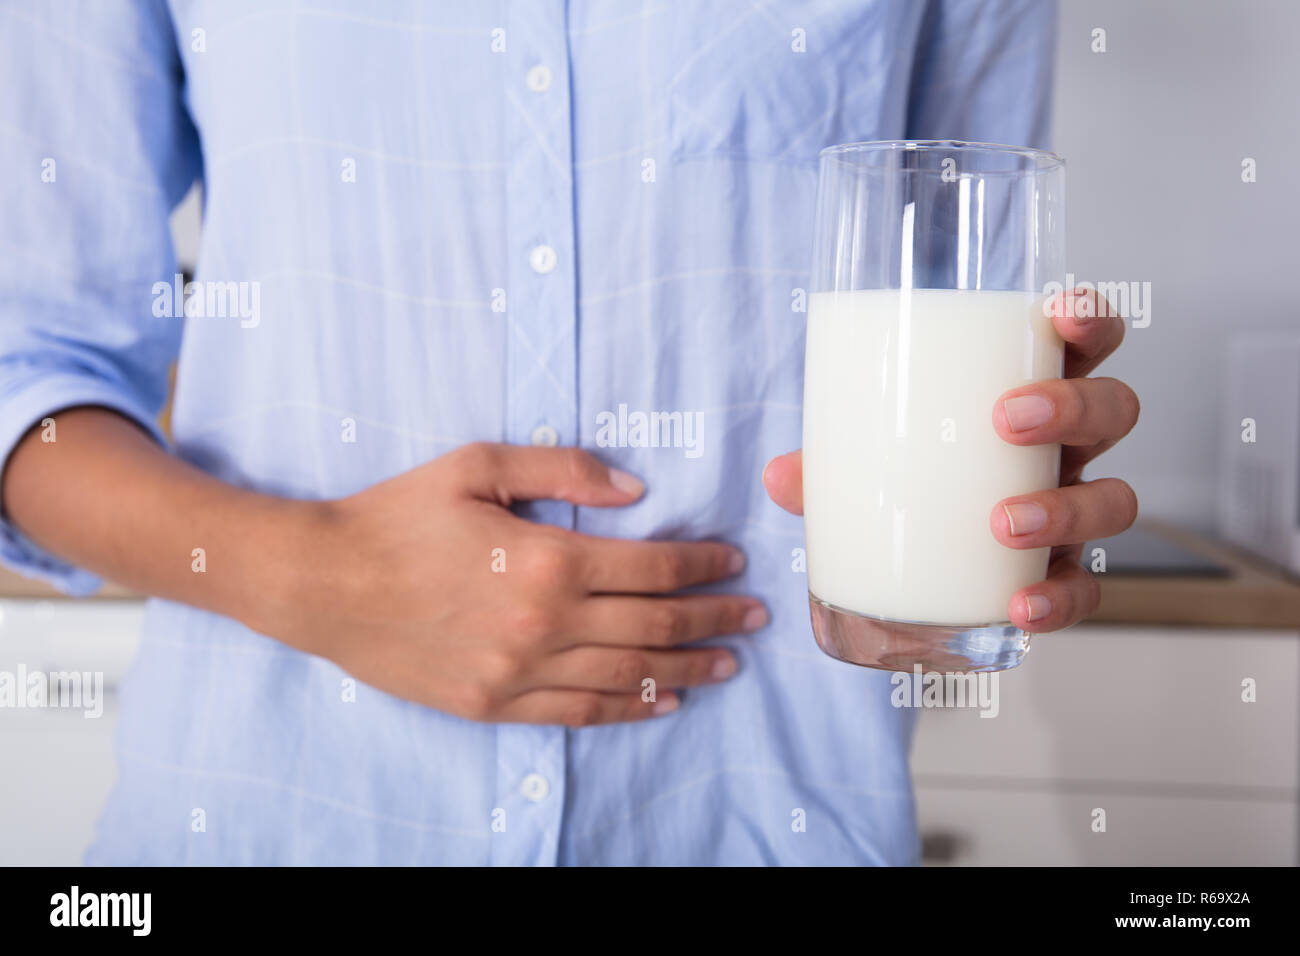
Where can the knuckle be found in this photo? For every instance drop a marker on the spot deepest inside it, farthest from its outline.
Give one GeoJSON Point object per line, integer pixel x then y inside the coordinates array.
{"type": "Point", "coordinates": [1069, 515]}
{"type": "Point", "coordinates": [670, 567]}
{"type": "Point", "coordinates": [531, 621]}
{"type": "Point", "coordinates": [501, 669]}
{"type": "Point", "coordinates": [664, 623]}
{"type": "Point", "coordinates": [630, 669]}
{"type": "Point", "coordinates": [1103, 308]}
{"type": "Point", "coordinates": [477, 702]}
{"type": "Point", "coordinates": [726, 617]}
{"type": "Point", "coordinates": [1072, 404]}
{"type": "Point", "coordinates": [702, 669]}
{"type": "Point", "coordinates": [549, 565]}
{"type": "Point", "coordinates": [581, 712]}
{"type": "Point", "coordinates": [1129, 501]}
{"type": "Point", "coordinates": [1094, 592]}
{"type": "Point", "coordinates": [1091, 303]}
{"type": "Point", "coordinates": [1083, 302]}
{"type": "Point", "coordinates": [1119, 329]}
{"type": "Point", "coordinates": [477, 456]}
{"type": "Point", "coordinates": [1082, 595]}
{"type": "Point", "coordinates": [1132, 405]}
{"type": "Point", "coordinates": [577, 469]}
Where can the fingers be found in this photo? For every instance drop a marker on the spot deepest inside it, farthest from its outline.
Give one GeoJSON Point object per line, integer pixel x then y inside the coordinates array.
{"type": "Point", "coordinates": [1091, 329]}
{"type": "Point", "coordinates": [783, 479]}
{"type": "Point", "coordinates": [1096, 509]}
{"type": "Point", "coordinates": [1075, 457]}
{"type": "Point", "coordinates": [613, 565]}
{"type": "Point", "coordinates": [664, 622]}
{"type": "Point", "coordinates": [1068, 411]}
{"type": "Point", "coordinates": [508, 473]}
{"type": "Point", "coordinates": [1067, 596]}
{"type": "Point", "coordinates": [1075, 551]}
{"type": "Point", "coordinates": [577, 708]}
{"type": "Point", "coordinates": [626, 670]}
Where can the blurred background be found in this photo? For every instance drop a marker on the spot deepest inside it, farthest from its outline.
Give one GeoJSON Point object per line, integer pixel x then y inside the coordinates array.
{"type": "Point", "coordinates": [1140, 713]}
{"type": "Point", "coordinates": [1174, 710]}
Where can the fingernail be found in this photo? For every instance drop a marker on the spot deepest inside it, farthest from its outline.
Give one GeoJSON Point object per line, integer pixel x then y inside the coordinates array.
{"type": "Point", "coordinates": [1037, 607]}
{"type": "Point", "coordinates": [754, 618]}
{"type": "Point", "coordinates": [628, 484]}
{"type": "Point", "coordinates": [736, 563]}
{"type": "Point", "coordinates": [1027, 411]}
{"type": "Point", "coordinates": [665, 706]}
{"type": "Point", "coordinates": [1026, 517]}
{"type": "Point", "coordinates": [723, 668]}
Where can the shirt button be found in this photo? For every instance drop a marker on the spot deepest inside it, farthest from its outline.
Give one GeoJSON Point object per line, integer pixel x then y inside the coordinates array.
{"type": "Point", "coordinates": [545, 435]}
{"type": "Point", "coordinates": [542, 259]}
{"type": "Point", "coordinates": [535, 787]}
{"type": "Point", "coordinates": [539, 79]}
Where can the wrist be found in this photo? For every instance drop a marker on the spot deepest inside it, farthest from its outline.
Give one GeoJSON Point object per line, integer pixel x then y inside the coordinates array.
{"type": "Point", "coordinates": [284, 546]}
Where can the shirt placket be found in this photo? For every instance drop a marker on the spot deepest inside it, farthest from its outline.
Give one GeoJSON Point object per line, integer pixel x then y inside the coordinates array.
{"type": "Point", "coordinates": [541, 373]}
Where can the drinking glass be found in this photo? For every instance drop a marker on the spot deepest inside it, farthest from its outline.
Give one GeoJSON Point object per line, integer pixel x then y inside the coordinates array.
{"type": "Point", "coordinates": [932, 265]}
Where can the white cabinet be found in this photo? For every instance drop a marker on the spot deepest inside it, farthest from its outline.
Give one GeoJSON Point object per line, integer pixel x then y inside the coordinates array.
{"type": "Point", "coordinates": [1147, 724]}
{"type": "Point", "coordinates": [58, 763]}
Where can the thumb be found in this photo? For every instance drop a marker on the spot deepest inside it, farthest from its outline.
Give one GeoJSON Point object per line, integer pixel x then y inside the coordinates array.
{"type": "Point", "coordinates": [783, 479]}
{"type": "Point", "coordinates": [508, 473]}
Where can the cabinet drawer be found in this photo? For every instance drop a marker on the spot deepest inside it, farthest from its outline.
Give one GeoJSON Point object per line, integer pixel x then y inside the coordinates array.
{"type": "Point", "coordinates": [66, 635]}
{"type": "Point", "coordinates": [62, 771]}
{"type": "Point", "coordinates": [1101, 705]}
{"type": "Point", "coordinates": [1051, 828]}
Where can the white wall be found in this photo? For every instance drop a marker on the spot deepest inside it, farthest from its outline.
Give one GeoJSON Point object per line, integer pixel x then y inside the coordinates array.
{"type": "Point", "coordinates": [1154, 132]}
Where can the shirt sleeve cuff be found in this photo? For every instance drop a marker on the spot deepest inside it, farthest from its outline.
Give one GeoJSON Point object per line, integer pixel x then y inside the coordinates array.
{"type": "Point", "coordinates": [28, 406]}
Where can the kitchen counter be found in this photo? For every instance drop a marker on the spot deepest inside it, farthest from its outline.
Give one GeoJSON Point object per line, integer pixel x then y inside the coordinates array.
{"type": "Point", "coordinates": [1254, 594]}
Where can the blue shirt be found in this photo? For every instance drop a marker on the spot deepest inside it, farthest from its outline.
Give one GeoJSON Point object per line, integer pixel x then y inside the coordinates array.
{"type": "Point", "coordinates": [467, 221]}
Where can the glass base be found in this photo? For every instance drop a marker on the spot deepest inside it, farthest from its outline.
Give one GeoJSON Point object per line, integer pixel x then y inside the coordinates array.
{"type": "Point", "coordinates": [902, 645]}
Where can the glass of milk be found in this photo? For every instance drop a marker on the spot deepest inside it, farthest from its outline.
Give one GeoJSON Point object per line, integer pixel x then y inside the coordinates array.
{"type": "Point", "coordinates": [930, 265]}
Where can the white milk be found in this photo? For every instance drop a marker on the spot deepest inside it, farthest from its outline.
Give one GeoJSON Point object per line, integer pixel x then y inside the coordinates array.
{"type": "Point", "coordinates": [901, 465]}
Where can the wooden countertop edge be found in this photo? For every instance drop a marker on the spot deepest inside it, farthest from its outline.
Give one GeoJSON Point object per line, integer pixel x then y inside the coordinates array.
{"type": "Point", "coordinates": [1257, 595]}
{"type": "Point", "coordinates": [14, 585]}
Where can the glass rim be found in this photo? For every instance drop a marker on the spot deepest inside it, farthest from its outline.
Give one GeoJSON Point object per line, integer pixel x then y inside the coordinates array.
{"type": "Point", "coordinates": [1044, 159]}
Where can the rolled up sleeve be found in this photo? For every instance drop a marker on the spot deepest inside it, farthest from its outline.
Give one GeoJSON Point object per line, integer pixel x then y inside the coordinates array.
{"type": "Point", "coordinates": [97, 148]}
